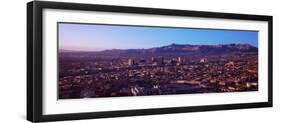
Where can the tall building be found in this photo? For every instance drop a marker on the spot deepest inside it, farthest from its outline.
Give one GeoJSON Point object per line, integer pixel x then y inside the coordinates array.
{"type": "Point", "coordinates": [161, 60]}
{"type": "Point", "coordinates": [152, 59]}
{"type": "Point", "coordinates": [179, 59]}
{"type": "Point", "coordinates": [131, 62]}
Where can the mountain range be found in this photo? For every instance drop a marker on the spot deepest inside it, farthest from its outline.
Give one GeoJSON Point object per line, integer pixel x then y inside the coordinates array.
{"type": "Point", "coordinates": [181, 49]}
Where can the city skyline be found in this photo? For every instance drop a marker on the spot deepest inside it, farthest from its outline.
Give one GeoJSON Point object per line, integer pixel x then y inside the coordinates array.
{"type": "Point", "coordinates": [93, 37]}
{"type": "Point", "coordinates": [158, 65]}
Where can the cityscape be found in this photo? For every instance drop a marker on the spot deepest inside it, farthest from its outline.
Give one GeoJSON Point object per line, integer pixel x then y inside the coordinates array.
{"type": "Point", "coordinates": [175, 68]}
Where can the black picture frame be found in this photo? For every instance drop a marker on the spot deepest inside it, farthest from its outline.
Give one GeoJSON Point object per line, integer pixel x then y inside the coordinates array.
{"type": "Point", "coordinates": [35, 69]}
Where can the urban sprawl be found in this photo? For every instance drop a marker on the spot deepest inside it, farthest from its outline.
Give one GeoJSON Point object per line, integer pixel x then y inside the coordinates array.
{"type": "Point", "coordinates": [82, 75]}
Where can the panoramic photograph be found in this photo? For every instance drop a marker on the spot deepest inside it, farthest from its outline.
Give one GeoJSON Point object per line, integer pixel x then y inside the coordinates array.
{"type": "Point", "coordinates": [104, 60]}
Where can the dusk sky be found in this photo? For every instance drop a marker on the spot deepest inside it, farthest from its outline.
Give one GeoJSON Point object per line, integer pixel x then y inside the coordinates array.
{"type": "Point", "coordinates": [86, 37]}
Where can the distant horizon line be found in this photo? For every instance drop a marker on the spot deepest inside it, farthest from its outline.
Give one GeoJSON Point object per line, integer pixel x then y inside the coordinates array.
{"type": "Point", "coordinates": [77, 50]}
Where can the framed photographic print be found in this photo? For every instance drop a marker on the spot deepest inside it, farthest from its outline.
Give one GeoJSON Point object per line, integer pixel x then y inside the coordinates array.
{"type": "Point", "coordinates": [96, 61]}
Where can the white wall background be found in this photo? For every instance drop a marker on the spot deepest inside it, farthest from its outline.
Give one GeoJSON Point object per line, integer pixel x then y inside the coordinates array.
{"type": "Point", "coordinates": [13, 61]}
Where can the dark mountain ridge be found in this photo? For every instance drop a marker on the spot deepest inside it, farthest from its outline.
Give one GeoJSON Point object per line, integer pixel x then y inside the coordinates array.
{"type": "Point", "coordinates": [181, 49]}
